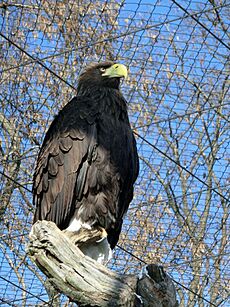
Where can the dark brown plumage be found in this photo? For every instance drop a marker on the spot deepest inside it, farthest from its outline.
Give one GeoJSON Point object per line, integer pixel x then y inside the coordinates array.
{"type": "Point", "coordinates": [88, 161]}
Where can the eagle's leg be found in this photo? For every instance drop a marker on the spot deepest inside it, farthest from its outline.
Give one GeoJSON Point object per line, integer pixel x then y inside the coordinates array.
{"type": "Point", "coordinates": [86, 235]}
{"type": "Point", "coordinates": [92, 242]}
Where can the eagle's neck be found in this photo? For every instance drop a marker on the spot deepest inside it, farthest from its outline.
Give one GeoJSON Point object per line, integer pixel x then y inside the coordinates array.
{"type": "Point", "coordinates": [99, 94]}
{"type": "Point", "coordinates": [93, 90]}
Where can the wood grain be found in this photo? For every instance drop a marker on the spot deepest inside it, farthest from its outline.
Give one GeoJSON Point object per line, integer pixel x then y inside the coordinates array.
{"type": "Point", "coordinates": [89, 283]}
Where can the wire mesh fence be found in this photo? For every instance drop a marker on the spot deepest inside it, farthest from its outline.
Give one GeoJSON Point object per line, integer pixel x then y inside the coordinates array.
{"type": "Point", "coordinates": [177, 53]}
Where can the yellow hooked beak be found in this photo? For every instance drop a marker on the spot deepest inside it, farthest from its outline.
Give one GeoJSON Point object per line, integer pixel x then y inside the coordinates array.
{"type": "Point", "coordinates": [116, 71]}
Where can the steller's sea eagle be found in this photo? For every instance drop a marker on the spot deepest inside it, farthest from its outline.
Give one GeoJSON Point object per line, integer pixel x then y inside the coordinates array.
{"type": "Point", "coordinates": [88, 161]}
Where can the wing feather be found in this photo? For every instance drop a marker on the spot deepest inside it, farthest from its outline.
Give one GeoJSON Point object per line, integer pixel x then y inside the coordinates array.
{"type": "Point", "coordinates": [65, 143]}
{"type": "Point", "coordinates": [62, 165]}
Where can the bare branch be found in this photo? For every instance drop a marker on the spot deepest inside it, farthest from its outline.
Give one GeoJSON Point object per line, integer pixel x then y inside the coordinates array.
{"type": "Point", "coordinates": [87, 282]}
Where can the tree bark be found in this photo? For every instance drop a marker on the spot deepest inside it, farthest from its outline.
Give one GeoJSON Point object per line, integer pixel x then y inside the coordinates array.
{"type": "Point", "coordinates": [88, 283]}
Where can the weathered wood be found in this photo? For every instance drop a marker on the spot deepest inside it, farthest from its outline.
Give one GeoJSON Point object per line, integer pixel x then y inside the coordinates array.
{"type": "Point", "coordinates": [82, 279]}
{"type": "Point", "coordinates": [87, 282]}
{"type": "Point", "coordinates": [156, 288]}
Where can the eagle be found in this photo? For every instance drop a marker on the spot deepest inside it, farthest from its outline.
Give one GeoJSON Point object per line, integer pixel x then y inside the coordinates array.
{"type": "Point", "coordinates": [88, 162]}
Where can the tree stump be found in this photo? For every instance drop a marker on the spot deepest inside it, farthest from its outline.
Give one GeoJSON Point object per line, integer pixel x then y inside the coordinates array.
{"type": "Point", "coordinates": [88, 283]}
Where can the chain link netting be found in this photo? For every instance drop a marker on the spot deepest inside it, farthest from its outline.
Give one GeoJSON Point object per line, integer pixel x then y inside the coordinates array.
{"type": "Point", "coordinates": [178, 94]}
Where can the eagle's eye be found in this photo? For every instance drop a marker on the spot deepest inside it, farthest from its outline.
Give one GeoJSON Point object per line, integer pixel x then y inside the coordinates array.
{"type": "Point", "coordinates": [102, 69]}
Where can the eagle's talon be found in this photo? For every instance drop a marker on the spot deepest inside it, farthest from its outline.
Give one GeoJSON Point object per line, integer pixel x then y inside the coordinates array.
{"type": "Point", "coordinates": [103, 234]}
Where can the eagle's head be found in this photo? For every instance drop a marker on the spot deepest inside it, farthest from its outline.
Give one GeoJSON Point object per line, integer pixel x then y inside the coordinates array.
{"type": "Point", "coordinates": [105, 74]}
